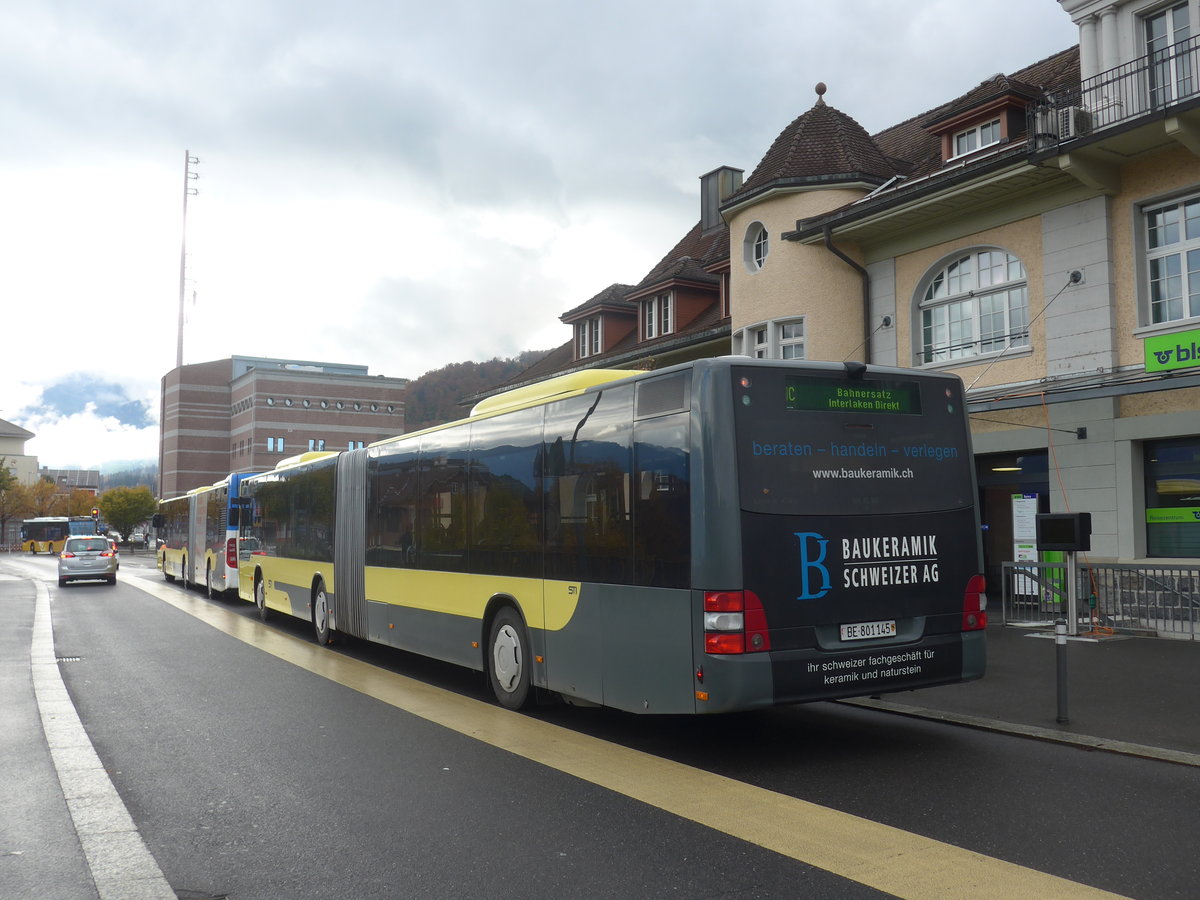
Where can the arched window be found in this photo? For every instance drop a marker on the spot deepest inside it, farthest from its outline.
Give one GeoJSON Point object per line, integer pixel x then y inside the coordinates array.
{"type": "Point", "coordinates": [755, 247]}
{"type": "Point", "coordinates": [975, 305]}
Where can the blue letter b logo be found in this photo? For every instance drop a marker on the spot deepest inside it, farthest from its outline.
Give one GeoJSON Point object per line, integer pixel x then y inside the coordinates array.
{"type": "Point", "coordinates": [812, 555]}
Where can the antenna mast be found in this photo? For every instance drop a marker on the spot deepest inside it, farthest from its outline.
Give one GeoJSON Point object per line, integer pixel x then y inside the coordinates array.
{"type": "Point", "coordinates": [188, 177]}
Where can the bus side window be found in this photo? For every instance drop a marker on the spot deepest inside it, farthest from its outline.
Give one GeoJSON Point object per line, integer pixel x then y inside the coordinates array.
{"type": "Point", "coordinates": [589, 487]}
{"type": "Point", "coordinates": [392, 507]}
{"type": "Point", "coordinates": [505, 528]}
{"type": "Point", "coordinates": [442, 511]}
{"type": "Point", "coordinates": [662, 509]}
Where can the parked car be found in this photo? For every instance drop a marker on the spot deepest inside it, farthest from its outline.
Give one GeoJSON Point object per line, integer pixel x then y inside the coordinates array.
{"type": "Point", "coordinates": [138, 539]}
{"type": "Point", "coordinates": [89, 557]}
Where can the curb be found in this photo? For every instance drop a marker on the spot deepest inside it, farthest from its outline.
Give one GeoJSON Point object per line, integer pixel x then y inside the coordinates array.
{"type": "Point", "coordinates": [1107, 745]}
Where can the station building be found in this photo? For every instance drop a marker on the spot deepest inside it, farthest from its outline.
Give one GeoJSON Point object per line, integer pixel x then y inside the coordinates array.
{"type": "Point", "coordinates": [1038, 235]}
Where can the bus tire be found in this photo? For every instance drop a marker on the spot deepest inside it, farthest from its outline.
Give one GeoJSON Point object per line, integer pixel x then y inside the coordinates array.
{"type": "Point", "coordinates": [318, 608]}
{"type": "Point", "coordinates": [509, 661]}
{"type": "Point", "coordinates": [208, 588]}
{"type": "Point", "coordinates": [183, 573]}
{"type": "Point", "coordinates": [260, 597]}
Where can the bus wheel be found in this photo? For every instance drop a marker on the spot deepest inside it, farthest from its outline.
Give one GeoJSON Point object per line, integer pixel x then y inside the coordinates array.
{"type": "Point", "coordinates": [208, 588]}
{"type": "Point", "coordinates": [509, 660]}
{"type": "Point", "coordinates": [183, 573]}
{"type": "Point", "coordinates": [260, 597]}
{"type": "Point", "coordinates": [319, 607]}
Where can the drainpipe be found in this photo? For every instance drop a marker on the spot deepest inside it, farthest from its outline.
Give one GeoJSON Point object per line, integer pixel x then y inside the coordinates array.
{"type": "Point", "coordinates": [866, 288]}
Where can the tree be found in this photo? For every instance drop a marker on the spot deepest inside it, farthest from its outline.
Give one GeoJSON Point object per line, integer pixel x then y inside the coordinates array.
{"type": "Point", "coordinates": [12, 498]}
{"type": "Point", "coordinates": [42, 498]}
{"type": "Point", "coordinates": [125, 508]}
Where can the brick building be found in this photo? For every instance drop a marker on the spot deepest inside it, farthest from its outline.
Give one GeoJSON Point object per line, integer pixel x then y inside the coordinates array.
{"type": "Point", "coordinates": [245, 414]}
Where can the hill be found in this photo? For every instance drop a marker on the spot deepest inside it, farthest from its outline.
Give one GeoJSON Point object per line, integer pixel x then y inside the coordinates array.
{"type": "Point", "coordinates": [434, 397]}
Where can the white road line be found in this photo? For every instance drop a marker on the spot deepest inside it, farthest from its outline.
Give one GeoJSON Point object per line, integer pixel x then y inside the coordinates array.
{"type": "Point", "coordinates": [120, 863]}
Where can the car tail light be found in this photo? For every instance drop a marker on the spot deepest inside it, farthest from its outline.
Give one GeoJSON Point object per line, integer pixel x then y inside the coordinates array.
{"type": "Point", "coordinates": [735, 622]}
{"type": "Point", "coordinates": [107, 553]}
{"type": "Point", "coordinates": [231, 559]}
{"type": "Point", "coordinates": [66, 554]}
{"type": "Point", "coordinates": [974, 608]}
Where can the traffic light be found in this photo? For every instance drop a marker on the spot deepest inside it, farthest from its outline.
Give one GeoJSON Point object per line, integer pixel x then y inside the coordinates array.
{"type": "Point", "coordinates": [95, 513]}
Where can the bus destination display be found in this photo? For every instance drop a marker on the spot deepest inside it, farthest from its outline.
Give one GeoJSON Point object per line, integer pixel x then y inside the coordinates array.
{"type": "Point", "coordinates": [839, 395]}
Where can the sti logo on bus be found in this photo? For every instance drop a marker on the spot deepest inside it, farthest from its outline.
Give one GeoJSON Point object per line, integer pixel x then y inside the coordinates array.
{"type": "Point", "coordinates": [812, 556]}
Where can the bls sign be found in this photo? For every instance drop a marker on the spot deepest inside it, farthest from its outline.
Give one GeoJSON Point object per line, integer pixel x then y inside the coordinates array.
{"type": "Point", "coordinates": [814, 576]}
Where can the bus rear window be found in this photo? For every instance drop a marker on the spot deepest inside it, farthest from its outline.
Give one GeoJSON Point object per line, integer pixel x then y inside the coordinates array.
{"type": "Point", "coordinates": [829, 445]}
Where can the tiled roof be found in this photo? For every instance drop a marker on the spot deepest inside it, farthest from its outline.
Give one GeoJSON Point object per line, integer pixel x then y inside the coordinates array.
{"type": "Point", "coordinates": [821, 144]}
{"type": "Point", "coordinates": [702, 250]}
{"type": "Point", "coordinates": [611, 296]}
{"type": "Point", "coordinates": [917, 151]}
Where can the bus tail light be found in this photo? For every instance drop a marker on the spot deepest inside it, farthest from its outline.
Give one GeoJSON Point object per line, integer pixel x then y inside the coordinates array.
{"type": "Point", "coordinates": [231, 559]}
{"type": "Point", "coordinates": [974, 609]}
{"type": "Point", "coordinates": [734, 622]}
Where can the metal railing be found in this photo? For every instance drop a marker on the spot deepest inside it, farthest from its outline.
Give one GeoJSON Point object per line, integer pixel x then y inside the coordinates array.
{"type": "Point", "coordinates": [1151, 83]}
{"type": "Point", "coordinates": [1159, 601]}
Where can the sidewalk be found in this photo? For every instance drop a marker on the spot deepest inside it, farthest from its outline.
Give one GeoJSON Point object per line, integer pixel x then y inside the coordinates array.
{"type": "Point", "coordinates": [1124, 694]}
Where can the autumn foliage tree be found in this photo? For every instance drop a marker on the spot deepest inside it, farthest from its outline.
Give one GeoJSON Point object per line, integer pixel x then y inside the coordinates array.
{"type": "Point", "coordinates": [125, 508]}
{"type": "Point", "coordinates": [13, 499]}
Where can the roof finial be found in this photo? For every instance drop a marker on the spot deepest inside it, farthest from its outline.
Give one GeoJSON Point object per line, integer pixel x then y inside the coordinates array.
{"type": "Point", "coordinates": [820, 93]}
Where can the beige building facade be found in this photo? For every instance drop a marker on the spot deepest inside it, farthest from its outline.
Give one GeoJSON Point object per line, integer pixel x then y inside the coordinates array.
{"type": "Point", "coordinates": [1039, 236]}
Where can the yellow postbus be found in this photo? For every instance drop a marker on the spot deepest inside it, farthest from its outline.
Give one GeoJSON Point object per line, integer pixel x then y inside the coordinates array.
{"type": "Point", "coordinates": [46, 534]}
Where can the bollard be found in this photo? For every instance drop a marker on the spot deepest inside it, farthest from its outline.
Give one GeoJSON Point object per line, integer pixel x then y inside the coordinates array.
{"type": "Point", "coordinates": [1060, 653]}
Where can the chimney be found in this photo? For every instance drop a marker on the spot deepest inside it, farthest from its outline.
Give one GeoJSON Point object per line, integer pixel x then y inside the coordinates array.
{"type": "Point", "coordinates": [715, 188]}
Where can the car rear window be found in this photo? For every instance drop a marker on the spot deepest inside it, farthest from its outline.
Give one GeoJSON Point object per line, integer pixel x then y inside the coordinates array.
{"type": "Point", "coordinates": [93, 544]}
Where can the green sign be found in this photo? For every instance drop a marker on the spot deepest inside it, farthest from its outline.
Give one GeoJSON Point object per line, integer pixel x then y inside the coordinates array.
{"type": "Point", "coordinates": [1180, 350]}
{"type": "Point", "coordinates": [840, 395]}
{"type": "Point", "coordinates": [1164, 514]}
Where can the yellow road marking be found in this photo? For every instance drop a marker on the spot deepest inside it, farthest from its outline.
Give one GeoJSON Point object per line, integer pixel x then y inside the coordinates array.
{"type": "Point", "coordinates": [879, 856]}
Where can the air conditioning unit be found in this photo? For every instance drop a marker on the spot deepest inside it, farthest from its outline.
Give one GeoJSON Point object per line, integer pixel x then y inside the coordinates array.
{"type": "Point", "coordinates": [1074, 121]}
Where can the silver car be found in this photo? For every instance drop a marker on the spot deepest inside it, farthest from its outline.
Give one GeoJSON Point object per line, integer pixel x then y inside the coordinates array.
{"type": "Point", "coordinates": [87, 557]}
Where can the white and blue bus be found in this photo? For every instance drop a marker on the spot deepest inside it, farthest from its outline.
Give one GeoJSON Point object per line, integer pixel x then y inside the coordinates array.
{"type": "Point", "coordinates": [198, 535]}
{"type": "Point", "coordinates": [722, 535]}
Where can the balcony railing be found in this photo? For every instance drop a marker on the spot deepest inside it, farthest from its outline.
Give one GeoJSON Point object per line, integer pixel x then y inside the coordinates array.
{"type": "Point", "coordinates": [1149, 84]}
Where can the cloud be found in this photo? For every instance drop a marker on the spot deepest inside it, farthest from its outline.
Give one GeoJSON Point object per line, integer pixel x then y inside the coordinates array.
{"type": "Point", "coordinates": [105, 400]}
{"type": "Point", "coordinates": [83, 421]}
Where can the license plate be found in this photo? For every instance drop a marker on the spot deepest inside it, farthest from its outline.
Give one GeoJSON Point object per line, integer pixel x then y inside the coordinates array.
{"type": "Point", "coordinates": [862, 631]}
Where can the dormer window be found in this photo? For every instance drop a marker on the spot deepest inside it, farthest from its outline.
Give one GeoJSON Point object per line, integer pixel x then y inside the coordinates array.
{"type": "Point", "coordinates": [977, 138]}
{"type": "Point", "coordinates": [659, 316]}
{"type": "Point", "coordinates": [587, 337]}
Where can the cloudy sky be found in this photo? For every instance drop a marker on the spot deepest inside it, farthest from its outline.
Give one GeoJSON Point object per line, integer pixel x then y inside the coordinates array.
{"type": "Point", "coordinates": [401, 184]}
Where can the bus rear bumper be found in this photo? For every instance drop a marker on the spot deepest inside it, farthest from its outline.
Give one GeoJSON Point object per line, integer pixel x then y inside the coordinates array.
{"type": "Point", "coordinates": [802, 676]}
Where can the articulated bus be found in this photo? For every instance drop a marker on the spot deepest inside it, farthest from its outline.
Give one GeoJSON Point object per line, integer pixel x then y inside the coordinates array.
{"type": "Point", "coordinates": [47, 534]}
{"type": "Point", "coordinates": [200, 536]}
{"type": "Point", "coordinates": [726, 534]}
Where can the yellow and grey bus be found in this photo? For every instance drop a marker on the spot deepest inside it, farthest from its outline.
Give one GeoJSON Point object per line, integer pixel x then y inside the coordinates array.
{"type": "Point", "coordinates": [725, 534]}
{"type": "Point", "coordinates": [47, 534]}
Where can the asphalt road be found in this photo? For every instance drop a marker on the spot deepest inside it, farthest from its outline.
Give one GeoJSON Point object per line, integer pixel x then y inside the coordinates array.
{"type": "Point", "coordinates": [253, 769]}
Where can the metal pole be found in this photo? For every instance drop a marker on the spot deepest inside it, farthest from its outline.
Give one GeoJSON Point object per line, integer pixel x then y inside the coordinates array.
{"type": "Point", "coordinates": [188, 177]}
{"type": "Point", "coordinates": [187, 158]}
{"type": "Point", "coordinates": [1072, 593]}
{"type": "Point", "coordinates": [1060, 654]}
